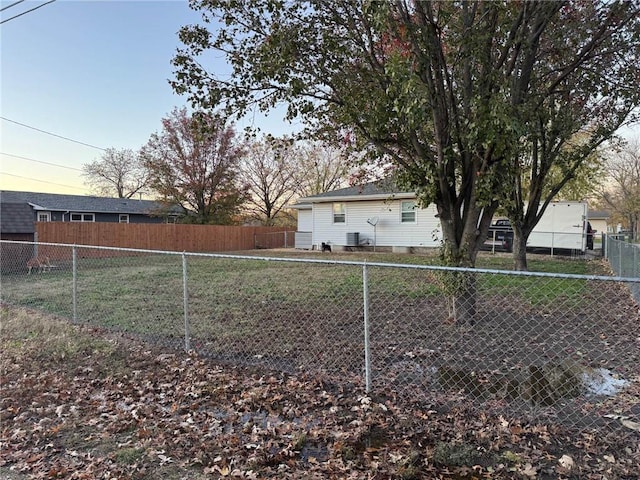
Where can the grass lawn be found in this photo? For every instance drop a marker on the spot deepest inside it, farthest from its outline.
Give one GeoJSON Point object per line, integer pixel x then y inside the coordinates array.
{"type": "Point", "coordinates": [145, 293]}
{"type": "Point", "coordinates": [294, 315]}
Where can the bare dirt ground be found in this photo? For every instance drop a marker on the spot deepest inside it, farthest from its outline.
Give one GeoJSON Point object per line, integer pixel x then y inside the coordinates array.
{"type": "Point", "coordinates": [83, 403]}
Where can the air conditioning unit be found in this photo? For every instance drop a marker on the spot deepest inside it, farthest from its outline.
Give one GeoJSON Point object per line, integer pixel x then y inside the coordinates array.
{"type": "Point", "coordinates": [353, 239]}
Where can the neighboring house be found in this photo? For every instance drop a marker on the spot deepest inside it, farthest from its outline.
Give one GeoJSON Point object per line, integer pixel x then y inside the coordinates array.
{"type": "Point", "coordinates": [16, 222]}
{"type": "Point", "coordinates": [25, 208]}
{"type": "Point", "coordinates": [374, 214]}
{"type": "Point", "coordinates": [599, 220]}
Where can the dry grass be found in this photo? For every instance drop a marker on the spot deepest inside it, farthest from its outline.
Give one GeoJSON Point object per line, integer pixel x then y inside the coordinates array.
{"type": "Point", "coordinates": [49, 340]}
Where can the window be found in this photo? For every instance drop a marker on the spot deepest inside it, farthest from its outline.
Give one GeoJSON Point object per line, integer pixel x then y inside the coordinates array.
{"type": "Point", "coordinates": [123, 218]}
{"type": "Point", "coordinates": [339, 213]}
{"type": "Point", "coordinates": [82, 217]}
{"type": "Point", "coordinates": [408, 214]}
{"type": "Point", "coordinates": [44, 216]}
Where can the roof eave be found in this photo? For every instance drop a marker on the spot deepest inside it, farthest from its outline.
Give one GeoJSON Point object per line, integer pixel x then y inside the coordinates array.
{"type": "Point", "coordinates": [356, 198]}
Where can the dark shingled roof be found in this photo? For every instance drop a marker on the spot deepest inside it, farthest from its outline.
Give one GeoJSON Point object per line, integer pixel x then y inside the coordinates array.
{"type": "Point", "coordinates": [379, 187]}
{"type": "Point", "coordinates": [82, 203]}
{"type": "Point", "coordinates": [16, 218]}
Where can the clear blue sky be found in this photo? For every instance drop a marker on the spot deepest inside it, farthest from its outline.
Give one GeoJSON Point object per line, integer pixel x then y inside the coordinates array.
{"type": "Point", "coordinates": [93, 71]}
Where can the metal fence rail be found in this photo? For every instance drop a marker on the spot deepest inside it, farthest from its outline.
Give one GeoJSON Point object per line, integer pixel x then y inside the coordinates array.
{"type": "Point", "coordinates": [555, 346]}
{"type": "Point", "coordinates": [624, 258]}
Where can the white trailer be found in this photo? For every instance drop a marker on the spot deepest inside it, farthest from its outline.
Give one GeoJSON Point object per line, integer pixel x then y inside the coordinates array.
{"type": "Point", "coordinates": [562, 226]}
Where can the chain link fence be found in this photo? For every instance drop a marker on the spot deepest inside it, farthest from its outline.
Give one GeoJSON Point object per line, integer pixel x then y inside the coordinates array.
{"type": "Point", "coordinates": [562, 348]}
{"type": "Point", "coordinates": [267, 240]}
{"type": "Point", "coordinates": [624, 258]}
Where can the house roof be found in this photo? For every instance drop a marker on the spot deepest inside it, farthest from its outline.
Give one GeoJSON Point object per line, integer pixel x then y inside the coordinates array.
{"type": "Point", "coordinates": [378, 190]}
{"type": "Point", "coordinates": [16, 218]}
{"type": "Point", "coordinates": [601, 214]}
{"type": "Point", "coordinates": [302, 206]}
{"type": "Point", "coordinates": [81, 203]}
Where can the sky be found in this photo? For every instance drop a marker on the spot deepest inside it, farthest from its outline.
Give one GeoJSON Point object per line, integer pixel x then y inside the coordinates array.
{"type": "Point", "coordinates": [92, 71]}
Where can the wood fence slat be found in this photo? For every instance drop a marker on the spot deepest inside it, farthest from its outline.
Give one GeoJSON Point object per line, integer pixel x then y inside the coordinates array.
{"type": "Point", "coordinates": [169, 237]}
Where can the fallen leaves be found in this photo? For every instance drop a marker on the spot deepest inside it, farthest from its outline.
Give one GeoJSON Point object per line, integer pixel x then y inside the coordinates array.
{"type": "Point", "coordinates": [566, 462]}
{"type": "Point", "coordinates": [134, 412]}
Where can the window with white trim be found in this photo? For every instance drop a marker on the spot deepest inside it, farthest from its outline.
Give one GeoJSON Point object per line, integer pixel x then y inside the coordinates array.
{"type": "Point", "coordinates": [408, 212]}
{"type": "Point", "coordinates": [44, 216]}
{"type": "Point", "coordinates": [339, 213]}
{"type": "Point", "coordinates": [123, 218]}
{"type": "Point", "coordinates": [83, 217]}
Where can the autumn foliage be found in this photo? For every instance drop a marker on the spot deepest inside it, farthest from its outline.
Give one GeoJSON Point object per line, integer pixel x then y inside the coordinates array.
{"type": "Point", "coordinates": [194, 162]}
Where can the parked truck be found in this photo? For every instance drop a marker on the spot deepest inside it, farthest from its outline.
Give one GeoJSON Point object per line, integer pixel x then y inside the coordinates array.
{"type": "Point", "coordinates": [563, 226]}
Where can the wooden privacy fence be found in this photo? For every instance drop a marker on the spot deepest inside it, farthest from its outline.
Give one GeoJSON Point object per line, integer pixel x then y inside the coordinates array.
{"type": "Point", "coordinates": [168, 237]}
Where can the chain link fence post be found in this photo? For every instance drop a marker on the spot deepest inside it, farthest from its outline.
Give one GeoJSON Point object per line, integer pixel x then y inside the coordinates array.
{"type": "Point", "coordinates": [620, 246]}
{"type": "Point", "coordinates": [185, 304]}
{"type": "Point", "coordinates": [74, 256]}
{"type": "Point", "coordinates": [367, 350]}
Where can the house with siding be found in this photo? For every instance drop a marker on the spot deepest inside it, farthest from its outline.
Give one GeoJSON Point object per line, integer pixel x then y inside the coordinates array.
{"type": "Point", "coordinates": [22, 209]}
{"type": "Point", "coordinates": [599, 220]}
{"type": "Point", "coordinates": [375, 214]}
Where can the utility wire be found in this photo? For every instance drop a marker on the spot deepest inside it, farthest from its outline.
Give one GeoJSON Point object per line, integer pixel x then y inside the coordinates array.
{"type": "Point", "coordinates": [12, 5]}
{"type": "Point", "coordinates": [52, 134]}
{"type": "Point", "coordinates": [43, 181]}
{"type": "Point", "coordinates": [40, 161]}
{"type": "Point", "coordinates": [27, 11]}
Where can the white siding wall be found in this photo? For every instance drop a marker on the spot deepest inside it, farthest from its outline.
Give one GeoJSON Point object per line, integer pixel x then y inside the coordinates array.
{"type": "Point", "coordinates": [305, 220]}
{"type": "Point", "coordinates": [390, 231]}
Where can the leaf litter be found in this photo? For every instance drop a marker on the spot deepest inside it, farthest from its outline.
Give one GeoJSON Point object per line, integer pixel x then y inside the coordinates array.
{"type": "Point", "coordinates": [84, 403]}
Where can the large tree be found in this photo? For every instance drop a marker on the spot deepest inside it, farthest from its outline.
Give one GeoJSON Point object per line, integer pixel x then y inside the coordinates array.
{"type": "Point", "coordinates": [622, 190]}
{"type": "Point", "coordinates": [118, 172]}
{"type": "Point", "coordinates": [270, 172]}
{"type": "Point", "coordinates": [194, 161]}
{"type": "Point", "coordinates": [581, 90]}
{"type": "Point", "coordinates": [279, 170]}
{"type": "Point", "coordinates": [439, 88]}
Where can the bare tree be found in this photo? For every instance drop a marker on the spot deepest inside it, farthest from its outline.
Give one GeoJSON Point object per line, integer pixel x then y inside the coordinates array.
{"type": "Point", "coordinates": [270, 173]}
{"type": "Point", "coordinates": [321, 168]}
{"type": "Point", "coordinates": [118, 173]}
{"type": "Point", "coordinates": [622, 191]}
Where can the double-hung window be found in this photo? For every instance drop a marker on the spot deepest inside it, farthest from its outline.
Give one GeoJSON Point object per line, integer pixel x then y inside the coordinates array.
{"type": "Point", "coordinates": [123, 218]}
{"type": "Point", "coordinates": [83, 217]}
{"type": "Point", "coordinates": [339, 213]}
{"type": "Point", "coordinates": [408, 212]}
{"type": "Point", "coordinates": [44, 216]}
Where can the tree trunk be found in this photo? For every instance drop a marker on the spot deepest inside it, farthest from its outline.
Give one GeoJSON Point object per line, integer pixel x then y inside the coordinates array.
{"type": "Point", "coordinates": [520, 251]}
{"type": "Point", "coordinates": [460, 287]}
{"type": "Point", "coordinates": [464, 300]}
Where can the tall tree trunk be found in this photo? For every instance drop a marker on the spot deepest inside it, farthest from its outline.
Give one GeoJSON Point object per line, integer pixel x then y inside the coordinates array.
{"type": "Point", "coordinates": [461, 287]}
{"type": "Point", "coordinates": [464, 300]}
{"type": "Point", "coordinates": [520, 250]}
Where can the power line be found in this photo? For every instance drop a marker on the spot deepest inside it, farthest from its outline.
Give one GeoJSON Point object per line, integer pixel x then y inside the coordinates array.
{"type": "Point", "coordinates": [40, 161]}
{"type": "Point", "coordinates": [12, 5]}
{"type": "Point", "coordinates": [43, 181]}
{"type": "Point", "coordinates": [52, 134]}
{"type": "Point", "coordinates": [27, 11]}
